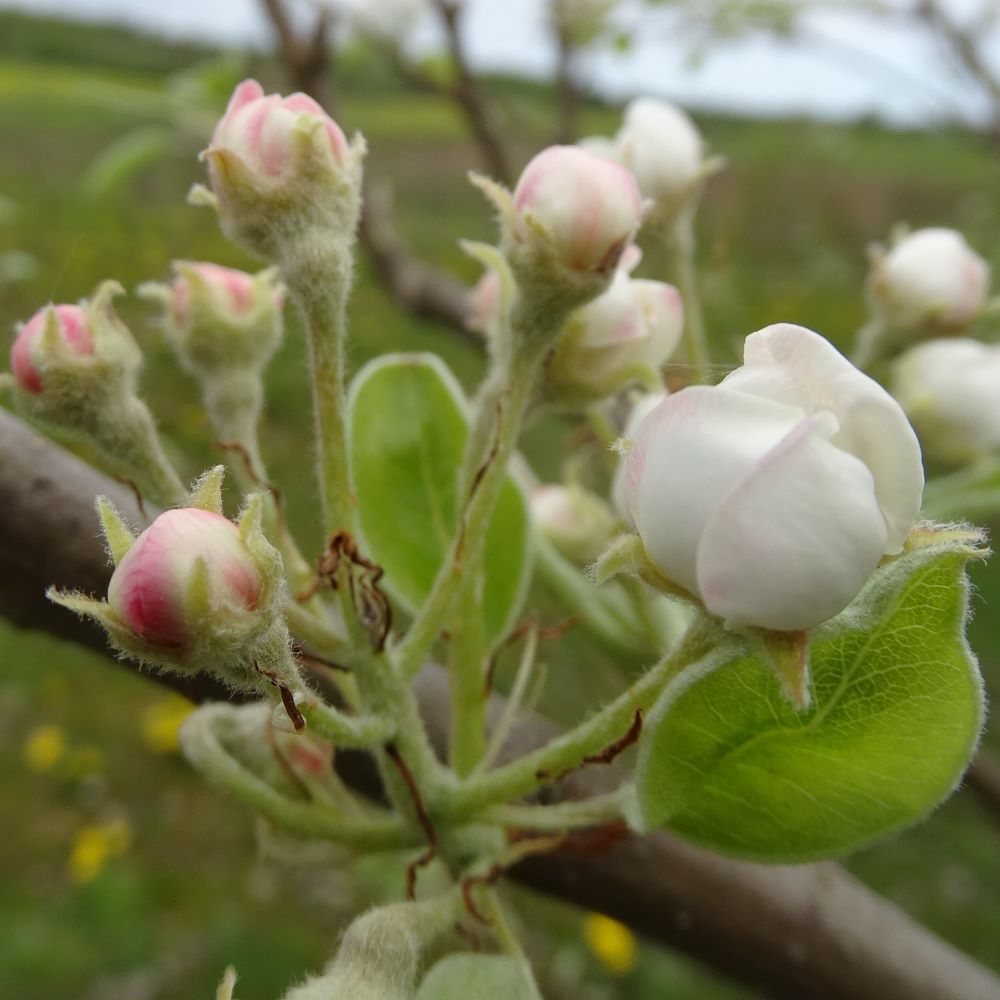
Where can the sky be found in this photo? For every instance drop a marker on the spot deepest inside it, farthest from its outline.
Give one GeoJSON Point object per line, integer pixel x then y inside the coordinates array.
{"type": "Point", "coordinates": [850, 65]}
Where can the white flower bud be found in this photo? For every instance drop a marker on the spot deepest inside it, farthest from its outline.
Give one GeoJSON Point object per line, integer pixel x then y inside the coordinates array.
{"type": "Point", "coordinates": [577, 522]}
{"type": "Point", "coordinates": [661, 145]}
{"type": "Point", "coordinates": [774, 495]}
{"type": "Point", "coordinates": [624, 335]}
{"type": "Point", "coordinates": [931, 277]}
{"type": "Point", "coordinates": [950, 390]}
{"type": "Point", "coordinates": [585, 207]}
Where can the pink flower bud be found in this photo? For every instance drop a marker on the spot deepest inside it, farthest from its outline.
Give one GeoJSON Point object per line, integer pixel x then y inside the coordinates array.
{"type": "Point", "coordinates": [260, 129]}
{"type": "Point", "coordinates": [589, 205]}
{"type": "Point", "coordinates": [74, 330]}
{"type": "Point", "coordinates": [232, 291]}
{"type": "Point", "coordinates": [148, 589]}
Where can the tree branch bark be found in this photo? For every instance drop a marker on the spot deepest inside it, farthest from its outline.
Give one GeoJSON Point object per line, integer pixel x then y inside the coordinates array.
{"type": "Point", "coordinates": [479, 114]}
{"type": "Point", "coordinates": [966, 49]}
{"type": "Point", "coordinates": [808, 931]}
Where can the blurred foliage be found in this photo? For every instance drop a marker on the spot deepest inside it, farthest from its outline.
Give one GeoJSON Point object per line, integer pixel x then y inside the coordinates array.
{"type": "Point", "coordinates": [783, 233]}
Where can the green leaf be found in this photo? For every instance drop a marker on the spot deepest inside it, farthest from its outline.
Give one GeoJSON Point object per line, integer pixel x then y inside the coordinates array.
{"type": "Point", "coordinates": [485, 977]}
{"type": "Point", "coordinates": [408, 432]}
{"type": "Point", "coordinates": [725, 761]}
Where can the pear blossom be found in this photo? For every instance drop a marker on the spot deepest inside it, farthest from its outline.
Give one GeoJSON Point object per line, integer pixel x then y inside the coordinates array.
{"type": "Point", "coordinates": [950, 390]}
{"type": "Point", "coordinates": [930, 277]}
{"type": "Point", "coordinates": [74, 333]}
{"type": "Point", "coordinates": [588, 206]}
{"type": "Point", "coordinates": [149, 588]}
{"type": "Point", "coordinates": [774, 495]}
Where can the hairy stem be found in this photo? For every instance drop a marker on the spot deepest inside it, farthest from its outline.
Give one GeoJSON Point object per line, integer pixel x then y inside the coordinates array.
{"type": "Point", "coordinates": [318, 274]}
{"type": "Point", "coordinates": [680, 246]}
{"type": "Point", "coordinates": [566, 752]}
{"type": "Point", "coordinates": [206, 752]}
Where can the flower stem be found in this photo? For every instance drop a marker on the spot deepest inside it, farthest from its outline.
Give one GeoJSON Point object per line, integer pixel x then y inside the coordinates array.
{"type": "Point", "coordinates": [505, 398]}
{"type": "Point", "coordinates": [318, 273]}
{"type": "Point", "coordinates": [608, 619]}
{"type": "Point", "coordinates": [205, 750]}
{"type": "Point", "coordinates": [562, 815]}
{"type": "Point", "coordinates": [701, 643]}
{"type": "Point", "coordinates": [680, 246]}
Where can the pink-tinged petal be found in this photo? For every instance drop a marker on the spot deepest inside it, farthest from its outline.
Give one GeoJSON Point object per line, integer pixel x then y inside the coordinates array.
{"type": "Point", "coordinates": [590, 205]}
{"type": "Point", "coordinates": [793, 365]}
{"type": "Point", "coordinates": [234, 288]}
{"type": "Point", "coordinates": [73, 328]}
{"type": "Point", "coordinates": [245, 93]}
{"type": "Point", "coordinates": [686, 457]}
{"type": "Point", "coordinates": [148, 587]}
{"type": "Point", "coordinates": [794, 541]}
{"type": "Point", "coordinates": [663, 310]}
{"type": "Point", "coordinates": [614, 317]}
{"type": "Point", "coordinates": [21, 364]}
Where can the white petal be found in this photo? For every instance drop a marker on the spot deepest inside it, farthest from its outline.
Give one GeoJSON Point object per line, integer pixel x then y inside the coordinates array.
{"type": "Point", "coordinates": [794, 541]}
{"type": "Point", "coordinates": [687, 456]}
{"type": "Point", "coordinates": [795, 366]}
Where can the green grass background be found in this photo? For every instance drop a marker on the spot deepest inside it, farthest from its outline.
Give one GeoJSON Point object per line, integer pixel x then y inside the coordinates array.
{"type": "Point", "coordinates": [783, 237]}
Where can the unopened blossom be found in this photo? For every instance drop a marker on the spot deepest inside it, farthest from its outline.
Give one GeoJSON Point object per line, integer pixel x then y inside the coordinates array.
{"type": "Point", "coordinates": [230, 291]}
{"type": "Point", "coordinates": [625, 334]}
{"type": "Point", "coordinates": [219, 319]}
{"type": "Point", "coordinates": [577, 522]}
{"type": "Point", "coordinates": [150, 586]}
{"type": "Point", "coordinates": [265, 132]}
{"type": "Point", "coordinates": [284, 176]}
{"type": "Point", "coordinates": [662, 147]}
{"type": "Point", "coordinates": [930, 277]}
{"type": "Point", "coordinates": [773, 496]}
{"type": "Point", "coordinates": [950, 390]}
{"type": "Point", "coordinates": [587, 206]}
{"type": "Point", "coordinates": [73, 329]}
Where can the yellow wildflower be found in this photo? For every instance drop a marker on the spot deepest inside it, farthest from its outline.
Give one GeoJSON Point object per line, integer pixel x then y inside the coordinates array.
{"type": "Point", "coordinates": [44, 748]}
{"type": "Point", "coordinates": [611, 942]}
{"type": "Point", "coordinates": [94, 846]}
{"type": "Point", "coordinates": [161, 723]}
